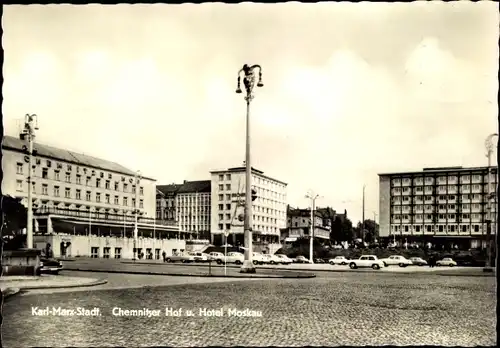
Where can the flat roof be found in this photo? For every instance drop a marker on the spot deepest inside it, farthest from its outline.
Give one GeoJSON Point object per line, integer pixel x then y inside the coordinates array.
{"type": "Point", "coordinates": [242, 169]}
{"type": "Point", "coordinates": [438, 170]}
{"type": "Point", "coordinates": [54, 153]}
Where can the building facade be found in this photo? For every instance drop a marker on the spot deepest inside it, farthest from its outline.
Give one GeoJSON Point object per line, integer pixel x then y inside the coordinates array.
{"type": "Point", "coordinates": [188, 205]}
{"type": "Point", "coordinates": [444, 203]}
{"type": "Point", "coordinates": [299, 225]}
{"type": "Point", "coordinates": [76, 195]}
{"type": "Point", "coordinates": [228, 200]}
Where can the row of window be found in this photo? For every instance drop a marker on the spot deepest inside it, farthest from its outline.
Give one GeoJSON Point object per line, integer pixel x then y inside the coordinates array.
{"type": "Point", "coordinates": [259, 228]}
{"type": "Point", "coordinates": [433, 199]}
{"type": "Point", "coordinates": [78, 194]}
{"type": "Point", "coordinates": [439, 216]}
{"type": "Point", "coordinates": [264, 219]}
{"type": "Point", "coordinates": [476, 228]}
{"type": "Point", "coordinates": [443, 179]}
{"type": "Point", "coordinates": [420, 207]}
{"type": "Point", "coordinates": [443, 189]}
{"type": "Point", "coordinates": [106, 253]}
{"type": "Point", "coordinates": [88, 180]}
{"type": "Point", "coordinates": [258, 209]}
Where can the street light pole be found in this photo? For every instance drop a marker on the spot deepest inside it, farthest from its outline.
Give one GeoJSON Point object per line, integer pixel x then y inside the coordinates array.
{"type": "Point", "coordinates": [30, 126]}
{"type": "Point", "coordinates": [313, 198]}
{"type": "Point", "coordinates": [489, 151]}
{"type": "Point", "coordinates": [136, 211]}
{"type": "Point", "coordinates": [248, 73]}
{"type": "Point", "coordinates": [363, 217]}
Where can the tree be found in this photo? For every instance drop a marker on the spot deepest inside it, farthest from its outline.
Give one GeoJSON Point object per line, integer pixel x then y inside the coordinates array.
{"type": "Point", "coordinates": [14, 215]}
{"type": "Point", "coordinates": [341, 230]}
{"type": "Point", "coordinates": [370, 233]}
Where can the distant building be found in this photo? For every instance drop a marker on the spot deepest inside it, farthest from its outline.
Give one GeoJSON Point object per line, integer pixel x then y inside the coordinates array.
{"type": "Point", "coordinates": [440, 205]}
{"type": "Point", "coordinates": [299, 224]}
{"type": "Point", "coordinates": [228, 199]}
{"type": "Point", "coordinates": [80, 202]}
{"type": "Point", "coordinates": [186, 204]}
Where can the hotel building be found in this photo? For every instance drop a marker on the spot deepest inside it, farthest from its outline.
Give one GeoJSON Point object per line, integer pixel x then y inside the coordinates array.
{"type": "Point", "coordinates": [228, 200]}
{"type": "Point", "coordinates": [188, 205]}
{"type": "Point", "coordinates": [443, 205]}
{"type": "Point", "coordinates": [84, 205]}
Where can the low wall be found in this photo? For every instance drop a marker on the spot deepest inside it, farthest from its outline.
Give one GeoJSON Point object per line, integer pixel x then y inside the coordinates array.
{"type": "Point", "coordinates": [20, 262]}
{"type": "Point", "coordinates": [112, 247]}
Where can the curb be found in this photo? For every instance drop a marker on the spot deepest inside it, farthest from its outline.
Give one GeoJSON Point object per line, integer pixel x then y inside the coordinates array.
{"type": "Point", "coordinates": [94, 283]}
{"type": "Point", "coordinates": [299, 276]}
{"type": "Point", "coordinates": [9, 292]}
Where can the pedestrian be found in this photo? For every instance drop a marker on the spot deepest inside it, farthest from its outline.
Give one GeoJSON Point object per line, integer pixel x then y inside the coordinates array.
{"type": "Point", "coordinates": [164, 256]}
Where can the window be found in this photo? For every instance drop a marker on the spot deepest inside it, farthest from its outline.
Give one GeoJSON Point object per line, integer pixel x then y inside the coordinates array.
{"type": "Point", "coordinates": [19, 185]}
{"type": "Point", "coordinates": [98, 197]}
{"type": "Point", "coordinates": [94, 252]}
{"type": "Point", "coordinates": [56, 191]}
{"type": "Point", "coordinates": [125, 201]}
{"type": "Point", "coordinates": [97, 182]}
{"type": "Point", "coordinates": [117, 200]}
{"type": "Point", "coordinates": [221, 177]}
{"type": "Point", "coordinates": [88, 181]}
{"type": "Point", "coordinates": [133, 202]}
{"type": "Point", "coordinates": [68, 177]}
{"type": "Point", "coordinates": [105, 253]}
{"type": "Point", "coordinates": [44, 189]}
{"type": "Point", "coordinates": [141, 190]}
{"type": "Point", "coordinates": [221, 187]}
{"type": "Point", "coordinates": [221, 197]}
{"type": "Point", "coordinates": [125, 187]}
{"type": "Point", "coordinates": [228, 186]}
{"type": "Point", "coordinates": [149, 254]}
{"type": "Point", "coordinates": [228, 176]}
{"type": "Point", "coordinates": [221, 226]}
{"type": "Point", "coordinates": [45, 173]}
{"type": "Point", "coordinates": [78, 194]}
{"type": "Point", "coordinates": [228, 197]}
{"type": "Point", "coordinates": [56, 175]}
{"type": "Point", "coordinates": [107, 184]}
{"type": "Point", "coordinates": [141, 203]}
{"type": "Point", "coordinates": [228, 226]}
{"type": "Point", "coordinates": [19, 168]}
{"type": "Point", "coordinates": [228, 216]}
{"type": "Point", "coordinates": [440, 228]}
{"type": "Point", "coordinates": [221, 206]}
{"type": "Point", "coordinates": [221, 216]}
{"type": "Point", "coordinates": [117, 184]}
{"type": "Point", "coordinates": [476, 228]}
{"type": "Point", "coordinates": [67, 192]}
{"type": "Point", "coordinates": [228, 206]}
{"type": "Point", "coordinates": [107, 199]}
{"type": "Point", "coordinates": [133, 188]}
{"type": "Point", "coordinates": [118, 253]}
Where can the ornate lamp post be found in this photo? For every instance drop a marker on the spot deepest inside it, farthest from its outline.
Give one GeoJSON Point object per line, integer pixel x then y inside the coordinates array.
{"type": "Point", "coordinates": [489, 151]}
{"type": "Point", "coordinates": [248, 73]}
{"type": "Point", "coordinates": [136, 210]}
{"type": "Point", "coordinates": [313, 198]}
{"type": "Point", "coordinates": [28, 133]}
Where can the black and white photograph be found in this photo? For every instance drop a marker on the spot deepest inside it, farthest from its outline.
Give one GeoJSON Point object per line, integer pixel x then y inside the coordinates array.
{"type": "Point", "coordinates": [250, 174]}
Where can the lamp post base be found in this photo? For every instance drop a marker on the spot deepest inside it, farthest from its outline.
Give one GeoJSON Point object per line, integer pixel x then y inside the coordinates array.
{"type": "Point", "coordinates": [247, 267]}
{"type": "Point", "coordinates": [488, 269]}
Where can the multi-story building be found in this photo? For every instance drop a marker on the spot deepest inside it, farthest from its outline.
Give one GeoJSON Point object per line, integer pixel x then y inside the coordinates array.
{"type": "Point", "coordinates": [188, 205]}
{"type": "Point", "coordinates": [80, 196]}
{"type": "Point", "coordinates": [228, 200]}
{"type": "Point", "coordinates": [441, 205]}
{"type": "Point", "coordinates": [299, 225]}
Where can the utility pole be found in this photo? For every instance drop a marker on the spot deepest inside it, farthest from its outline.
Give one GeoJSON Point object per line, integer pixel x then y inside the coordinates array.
{"type": "Point", "coordinates": [30, 126]}
{"type": "Point", "coordinates": [374, 225]}
{"type": "Point", "coordinates": [249, 83]}
{"type": "Point", "coordinates": [313, 198]}
{"type": "Point", "coordinates": [363, 224]}
{"type": "Point", "coordinates": [489, 151]}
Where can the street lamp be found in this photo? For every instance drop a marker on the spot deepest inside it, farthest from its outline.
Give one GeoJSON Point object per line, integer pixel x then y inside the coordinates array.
{"type": "Point", "coordinates": [30, 126]}
{"type": "Point", "coordinates": [312, 196]}
{"type": "Point", "coordinates": [488, 143]}
{"type": "Point", "coordinates": [137, 180]}
{"type": "Point", "coordinates": [248, 73]}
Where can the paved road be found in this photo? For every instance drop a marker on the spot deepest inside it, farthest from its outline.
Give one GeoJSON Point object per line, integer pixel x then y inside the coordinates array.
{"type": "Point", "coordinates": [336, 309]}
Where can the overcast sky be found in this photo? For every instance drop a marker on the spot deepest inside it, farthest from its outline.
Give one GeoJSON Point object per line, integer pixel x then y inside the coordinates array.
{"type": "Point", "coordinates": [351, 90]}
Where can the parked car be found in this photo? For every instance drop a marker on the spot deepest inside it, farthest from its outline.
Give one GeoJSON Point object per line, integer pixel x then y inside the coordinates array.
{"type": "Point", "coordinates": [181, 257]}
{"type": "Point", "coordinates": [366, 261]}
{"type": "Point", "coordinates": [319, 261]}
{"type": "Point", "coordinates": [284, 260]}
{"type": "Point", "coordinates": [50, 266]}
{"type": "Point", "coordinates": [301, 259]}
{"type": "Point", "coordinates": [217, 257]}
{"type": "Point", "coordinates": [399, 260]}
{"type": "Point", "coordinates": [271, 259]}
{"type": "Point", "coordinates": [418, 261]}
{"type": "Point", "coordinates": [258, 258]}
{"type": "Point", "coordinates": [447, 261]}
{"type": "Point", "coordinates": [199, 257]}
{"type": "Point", "coordinates": [339, 260]}
{"type": "Point", "coordinates": [235, 257]}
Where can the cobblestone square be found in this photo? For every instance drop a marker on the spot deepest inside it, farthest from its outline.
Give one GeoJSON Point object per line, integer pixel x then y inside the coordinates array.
{"type": "Point", "coordinates": [332, 310]}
